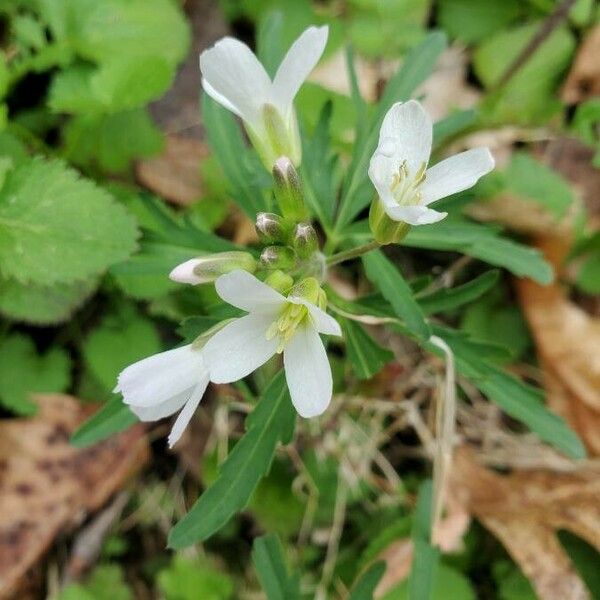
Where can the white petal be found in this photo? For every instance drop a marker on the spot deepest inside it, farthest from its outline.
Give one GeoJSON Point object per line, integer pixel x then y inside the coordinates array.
{"type": "Point", "coordinates": [455, 174]}
{"type": "Point", "coordinates": [231, 70]}
{"type": "Point", "coordinates": [308, 373]}
{"type": "Point", "coordinates": [300, 60]}
{"type": "Point", "coordinates": [184, 273]}
{"type": "Point", "coordinates": [240, 288]}
{"type": "Point", "coordinates": [162, 410]}
{"type": "Point", "coordinates": [210, 90]}
{"type": "Point", "coordinates": [323, 322]}
{"type": "Point", "coordinates": [188, 411]}
{"type": "Point", "coordinates": [414, 215]}
{"type": "Point", "coordinates": [153, 380]}
{"type": "Point", "coordinates": [381, 171]}
{"type": "Point", "coordinates": [239, 348]}
{"type": "Point", "coordinates": [405, 135]}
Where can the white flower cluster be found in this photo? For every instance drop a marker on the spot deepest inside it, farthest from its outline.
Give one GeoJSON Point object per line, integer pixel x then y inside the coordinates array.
{"type": "Point", "coordinates": [288, 323]}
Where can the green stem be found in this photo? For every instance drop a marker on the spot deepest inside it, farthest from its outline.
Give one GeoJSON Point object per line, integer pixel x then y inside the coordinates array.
{"type": "Point", "coordinates": [352, 253]}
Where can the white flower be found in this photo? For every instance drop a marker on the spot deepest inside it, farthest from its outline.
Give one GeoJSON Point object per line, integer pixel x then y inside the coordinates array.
{"type": "Point", "coordinates": [233, 76]}
{"type": "Point", "coordinates": [274, 324]}
{"type": "Point", "coordinates": [399, 170]}
{"type": "Point", "coordinates": [163, 384]}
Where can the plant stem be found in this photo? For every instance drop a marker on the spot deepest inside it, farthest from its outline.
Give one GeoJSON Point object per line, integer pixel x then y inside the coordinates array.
{"type": "Point", "coordinates": [352, 253]}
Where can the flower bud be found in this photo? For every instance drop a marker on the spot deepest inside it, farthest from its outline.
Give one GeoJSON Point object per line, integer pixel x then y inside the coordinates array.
{"type": "Point", "coordinates": [288, 190]}
{"type": "Point", "coordinates": [278, 136]}
{"type": "Point", "coordinates": [308, 289]}
{"type": "Point", "coordinates": [278, 257]}
{"type": "Point", "coordinates": [280, 281]}
{"type": "Point", "coordinates": [272, 228]}
{"type": "Point", "coordinates": [305, 240]}
{"type": "Point", "coordinates": [384, 229]}
{"type": "Point", "coordinates": [208, 268]}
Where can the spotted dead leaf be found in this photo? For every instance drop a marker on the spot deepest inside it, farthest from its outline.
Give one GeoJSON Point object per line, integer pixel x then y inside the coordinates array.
{"type": "Point", "coordinates": [583, 81]}
{"type": "Point", "coordinates": [525, 510]}
{"type": "Point", "coordinates": [175, 174]}
{"type": "Point", "coordinates": [47, 487]}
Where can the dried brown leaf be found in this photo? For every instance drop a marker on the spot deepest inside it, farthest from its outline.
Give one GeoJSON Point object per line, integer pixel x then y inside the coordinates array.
{"type": "Point", "coordinates": [583, 81]}
{"type": "Point", "coordinates": [47, 486]}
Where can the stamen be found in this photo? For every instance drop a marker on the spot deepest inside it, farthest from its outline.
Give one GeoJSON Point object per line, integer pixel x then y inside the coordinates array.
{"type": "Point", "coordinates": [284, 327]}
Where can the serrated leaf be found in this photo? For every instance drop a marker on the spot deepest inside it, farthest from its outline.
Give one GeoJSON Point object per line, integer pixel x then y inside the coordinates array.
{"type": "Point", "coordinates": [23, 372]}
{"type": "Point", "coordinates": [249, 461]}
{"type": "Point", "coordinates": [71, 91]}
{"type": "Point", "coordinates": [112, 418]}
{"type": "Point", "coordinates": [42, 305]}
{"type": "Point", "coordinates": [417, 66]}
{"type": "Point", "coordinates": [366, 356]}
{"type": "Point", "coordinates": [121, 339]}
{"type": "Point", "coordinates": [384, 275]}
{"type": "Point", "coordinates": [269, 562]}
{"type": "Point", "coordinates": [57, 227]}
{"type": "Point", "coordinates": [366, 584]}
{"type": "Point", "coordinates": [446, 299]}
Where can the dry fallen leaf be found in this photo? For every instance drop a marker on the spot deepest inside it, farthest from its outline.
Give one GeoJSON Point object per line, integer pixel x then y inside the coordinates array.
{"type": "Point", "coordinates": [583, 81]}
{"type": "Point", "coordinates": [47, 486]}
{"type": "Point", "coordinates": [175, 174]}
{"type": "Point", "coordinates": [525, 509]}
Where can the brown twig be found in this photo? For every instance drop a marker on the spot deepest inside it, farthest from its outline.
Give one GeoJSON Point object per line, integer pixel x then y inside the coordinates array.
{"type": "Point", "coordinates": [546, 28]}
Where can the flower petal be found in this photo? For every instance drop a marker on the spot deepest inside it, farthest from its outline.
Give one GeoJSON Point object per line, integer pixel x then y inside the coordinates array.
{"type": "Point", "coordinates": [153, 380]}
{"type": "Point", "coordinates": [231, 72]}
{"type": "Point", "coordinates": [414, 215]}
{"type": "Point", "coordinates": [162, 410]}
{"type": "Point", "coordinates": [296, 66]}
{"type": "Point", "coordinates": [243, 290]}
{"type": "Point", "coordinates": [240, 348]}
{"type": "Point", "coordinates": [381, 170]}
{"type": "Point", "coordinates": [323, 322]}
{"type": "Point", "coordinates": [455, 174]}
{"type": "Point", "coordinates": [308, 373]}
{"type": "Point", "coordinates": [188, 411]}
{"type": "Point", "coordinates": [405, 135]}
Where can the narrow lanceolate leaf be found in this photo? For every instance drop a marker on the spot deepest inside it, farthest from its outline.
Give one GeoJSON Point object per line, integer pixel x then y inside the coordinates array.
{"type": "Point", "coordinates": [425, 556]}
{"type": "Point", "coordinates": [269, 562]}
{"type": "Point", "coordinates": [365, 586]}
{"type": "Point", "coordinates": [450, 298]}
{"type": "Point", "coordinates": [384, 275]}
{"type": "Point", "coordinates": [366, 356]}
{"type": "Point", "coordinates": [112, 418]}
{"type": "Point", "coordinates": [417, 66]}
{"type": "Point", "coordinates": [519, 400]}
{"type": "Point", "coordinates": [249, 461]}
{"type": "Point", "coordinates": [227, 143]}
{"type": "Point", "coordinates": [58, 227]}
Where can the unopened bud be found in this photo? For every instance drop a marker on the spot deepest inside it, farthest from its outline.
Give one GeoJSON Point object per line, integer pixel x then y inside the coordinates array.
{"type": "Point", "coordinates": [208, 268]}
{"type": "Point", "coordinates": [278, 257]}
{"type": "Point", "coordinates": [307, 289]}
{"type": "Point", "coordinates": [280, 281]}
{"type": "Point", "coordinates": [288, 189]}
{"type": "Point", "coordinates": [272, 228]}
{"type": "Point", "coordinates": [305, 240]}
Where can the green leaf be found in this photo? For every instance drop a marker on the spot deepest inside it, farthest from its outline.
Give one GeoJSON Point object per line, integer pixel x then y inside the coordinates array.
{"type": "Point", "coordinates": [364, 588]}
{"type": "Point", "coordinates": [519, 400]}
{"type": "Point", "coordinates": [446, 299]}
{"type": "Point", "coordinates": [473, 21]}
{"type": "Point", "coordinates": [185, 579]}
{"type": "Point", "coordinates": [41, 305]}
{"type": "Point", "coordinates": [121, 339]}
{"type": "Point", "coordinates": [417, 66]}
{"type": "Point", "coordinates": [384, 275]}
{"type": "Point", "coordinates": [245, 178]}
{"type": "Point", "coordinates": [107, 582]}
{"type": "Point", "coordinates": [585, 558]}
{"type": "Point", "coordinates": [271, 421]}
{"type": "Point", "coordinates": [23, 372]}
{"type": "Point", "coordinates": [111, 141]}
{"type": "Point", "coordinates": [269, 562]}
{"type": "Point", "coordinates": [425, 557]}
{"type": "Point", "coordinates": [270, 47]}
{"type": "Point", "coordinates": [484, 243]}
{"type": "Point", "coordinates": [366, 356]}
{"type": "Point", "coordinates": [452, 125]}
{"type": "Point", "coordinates": [58, 227]}
{"type": "Point", "coordinates": [112, 418]}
